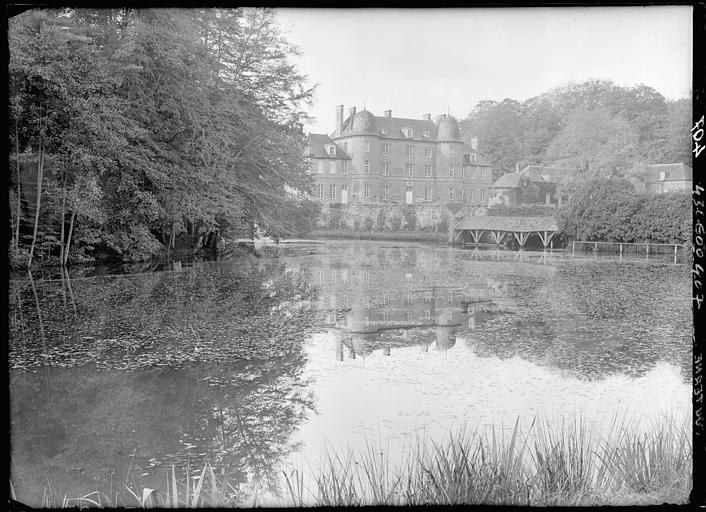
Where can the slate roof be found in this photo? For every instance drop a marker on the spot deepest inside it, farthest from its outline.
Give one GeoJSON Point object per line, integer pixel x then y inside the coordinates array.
{"type": "Point", "coordinates": [394, 125]}
{"type": "Point", "coordinates": [316, 143]}
{"type": "Point", "coordinates": [537, 173]}
{"type": "Point", "coordinates": [480, 159]}
{"type": "Point", "coordinates": [516, 224]}
{"type": "Point", "coordinates": [675, 172]}
{"type": "Point", "coordinates": [509, 180]}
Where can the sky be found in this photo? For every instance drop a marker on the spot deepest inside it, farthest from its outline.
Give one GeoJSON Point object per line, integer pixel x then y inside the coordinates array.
{"type": "Point", "coordinates": [417, 61]}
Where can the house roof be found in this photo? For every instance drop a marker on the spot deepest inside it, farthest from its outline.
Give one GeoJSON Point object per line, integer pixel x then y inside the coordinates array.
{"type": "Point", "coordinates": [517, 224]}
{"type": "Point", "coordinates": [393, 128]}
{"type": "Point", "coordinates": [509, 180]}
{"type": "Point", "coordinates": [480, 159]}
{"type": "Point", "coordinates": [539, 173]}
{"type": "Point", "coordinates": [675, 172]}
{"type": "Point", "coordinates": [316, 143]}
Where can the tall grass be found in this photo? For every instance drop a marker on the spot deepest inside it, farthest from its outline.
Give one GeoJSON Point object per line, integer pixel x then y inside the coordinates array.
{"type": "Point", "coordinates": [546, 465]}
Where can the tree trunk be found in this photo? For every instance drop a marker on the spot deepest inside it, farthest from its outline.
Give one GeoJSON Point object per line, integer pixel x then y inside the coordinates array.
{"type": "Point", "coordinates": [40, 173]}
{"type": "Point", "coordinates": [19, 187]}
{"type": "Point", "coordinates": [68, 240]}
{"type": "Point", "coordinates": [63, 219]}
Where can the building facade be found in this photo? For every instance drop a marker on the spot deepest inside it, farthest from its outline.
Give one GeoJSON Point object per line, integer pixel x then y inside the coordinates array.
{"type": "Point", "coordinates": [378, 159]}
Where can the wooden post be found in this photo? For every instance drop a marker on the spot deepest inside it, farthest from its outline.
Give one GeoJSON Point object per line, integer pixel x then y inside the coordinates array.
{"type": "Point", "coordinates": [675, 254]}
{"type": "Point", "coordinates": [573, 248]}
{"type": "Point", "coordinates": [648, 250]}
{"type": "Point", "coordinates": [595, 247]}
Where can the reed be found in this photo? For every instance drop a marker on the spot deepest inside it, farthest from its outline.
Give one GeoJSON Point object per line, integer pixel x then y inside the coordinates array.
{"type": "Point", "coordinates": [547, 464]}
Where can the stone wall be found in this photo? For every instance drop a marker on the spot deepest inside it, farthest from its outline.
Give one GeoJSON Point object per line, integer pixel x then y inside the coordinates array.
{"type": "Point", "coordinates": [393, 217]}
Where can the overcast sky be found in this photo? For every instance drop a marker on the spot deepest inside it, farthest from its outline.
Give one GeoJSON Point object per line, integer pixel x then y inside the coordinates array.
{"type": "Point", "coordinates": [417, 61]}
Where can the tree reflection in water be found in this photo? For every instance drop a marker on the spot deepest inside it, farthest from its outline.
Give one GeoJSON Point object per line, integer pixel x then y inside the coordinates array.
{"type": "Point", "coordinates": [590, 319]}
{"type": "Point", "coordinates": [158, 369]}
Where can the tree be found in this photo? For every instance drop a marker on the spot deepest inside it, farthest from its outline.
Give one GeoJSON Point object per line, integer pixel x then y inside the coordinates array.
{"type": "Point", "coordinates": [608, 145]}
{"type": "Point", "coordinates": [499, 129]}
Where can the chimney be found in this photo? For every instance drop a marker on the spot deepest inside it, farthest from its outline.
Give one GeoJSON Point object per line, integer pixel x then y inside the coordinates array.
{"type": "Point", "coordinates": [426, 117]}
{"type": "Point", "coordinates": [517, 167]}
{"type": "Point", "coordinates": [339, 119]}
{"type": "Point", "coordinates": [388, 113]}
{"type": "Point", "coordinates": [351, 111]}
{"type": "Point", "coordinates": [474, 144]}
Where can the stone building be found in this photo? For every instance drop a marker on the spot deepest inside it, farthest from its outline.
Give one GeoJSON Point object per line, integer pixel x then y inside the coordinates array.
{"type": "Point", "coordinates": [378, 159]}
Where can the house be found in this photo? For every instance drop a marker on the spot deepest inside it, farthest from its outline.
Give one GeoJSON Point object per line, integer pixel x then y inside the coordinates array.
{"type": "Point", "coordinates": [663, 178]}
{"type": "Point", "coordinates": [379, 159]}
{"type": "Point", "coordinates": [534, 184]}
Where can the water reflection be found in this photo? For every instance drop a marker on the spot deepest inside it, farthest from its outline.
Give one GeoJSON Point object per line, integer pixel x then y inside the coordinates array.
{"type": "Point", "coordinates": [228, 362]}
{"type": "Point", "coordinates": [147, 371]}
{"type": "Point", "coordinates": [578, 316]}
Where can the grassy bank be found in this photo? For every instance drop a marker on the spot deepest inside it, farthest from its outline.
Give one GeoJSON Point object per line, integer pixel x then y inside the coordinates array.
{"type": "Point", "coordinates": [544, 465]}
{"type": "Point", "coordinates": [395, 236]}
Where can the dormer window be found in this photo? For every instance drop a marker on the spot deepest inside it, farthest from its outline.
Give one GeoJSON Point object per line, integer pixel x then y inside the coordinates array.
{"type": "Point", "coordinates": [409, 132]}
{"type": "Point", "coordinates": [427, 134]}
{"type": "Point", "coordinates": [383, 132]}
{"type": "Point", "coordinates": [662, 176]}
{"type": "Point", "coordinates": [332, 150]}
{"type": "Point", "coordinates": [473, 158]}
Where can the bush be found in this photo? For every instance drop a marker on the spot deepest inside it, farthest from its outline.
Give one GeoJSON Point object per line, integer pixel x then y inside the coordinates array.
{"type": "Point", "coordinates": [521, 210]}
{"type": "Point", "coordinates": [368, 224]}
{"type": "Point", "coordinates": [395, 223]}
{"type": "Point", "coordinates": [380, 222]}
{"type": "Point", "coordinates": [410, 217]}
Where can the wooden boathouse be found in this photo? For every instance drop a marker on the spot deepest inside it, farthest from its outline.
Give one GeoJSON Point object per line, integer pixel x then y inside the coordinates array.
{"type": "Point", "coordinates": [472, 228]}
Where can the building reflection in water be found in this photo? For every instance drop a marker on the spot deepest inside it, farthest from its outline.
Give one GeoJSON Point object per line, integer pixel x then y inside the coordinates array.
{"type": "Point", "coordinates": [370, 314]}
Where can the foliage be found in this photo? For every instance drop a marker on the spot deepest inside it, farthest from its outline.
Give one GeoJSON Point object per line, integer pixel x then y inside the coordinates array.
{"type": "Point", "coordinates": [521, 210]}
{"type": "Point", "coordinates": [410, 218]}
{"type": "Point", "coordinates": [595, 124]}
{"type": "Point", "coordinates": [160, 121]}
{"type": "Point", "coordinates": [543, 465]}
{"type": "Point", "coordinates": [610, 209]}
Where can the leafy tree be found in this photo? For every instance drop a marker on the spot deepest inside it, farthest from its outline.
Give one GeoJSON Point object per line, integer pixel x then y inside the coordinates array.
{"type": "Point", "coordinates": [606, 145]}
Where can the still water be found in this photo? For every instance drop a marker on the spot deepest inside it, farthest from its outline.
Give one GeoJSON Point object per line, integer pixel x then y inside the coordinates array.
{"type": "Point", "coordinates": [263, 362]}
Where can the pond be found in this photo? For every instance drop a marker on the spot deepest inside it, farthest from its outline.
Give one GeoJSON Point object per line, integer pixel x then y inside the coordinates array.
{"type": "Point", "coordinates": [265, 361]}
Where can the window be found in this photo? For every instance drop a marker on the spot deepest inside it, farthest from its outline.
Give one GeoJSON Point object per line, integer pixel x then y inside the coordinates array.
{"type": "Point", "coordinates": [332, 191]}
{"type": "Point", "coordinates": [473, 158]}
{"type": "Point", "coordinates": [344, 187]}
{"type": "Point", "coordinates": [452, 151]}
{"type": "Point", "coordinates": [410, 170]}
{"type": "Point", "coordinates": [332, 167]}
{"type": "Point", "coordinates": [367, 167]}
{"type": "Point", "coordinates": [427, 194]}
{"type": "Point", "coordinates": [385, 149]}
{"type": "Point", "coordinates": [473, 195]}
{"type": "Point", "coordinates": [452, 194]}
{"type": "Point", "coordinates": [427, 314]}
{"type": "Point", "coordinates": [410, 151]}
{"type": "Point", "coordinates": [344, 166]}
{"type": "Point", "coordinates": [332, 150]}
{"type": "Point", "coordinates": [452, 170]}
{"type": "Point", "coordinates": [427, 152]}
{"type": "Point", "coordinates": [427, 171]}
{"type": "Point", "coordinates": [482, 195]}
{"type": "Point", "coordinates": [463, 195]}
{"type": "Point", "coordinates": [410, 133]}
{"type": "Point", "coordinates": [386, 191]}
{"type": "Point", "coordinates": [320, 191]}
{"type": "Point", "coordinates": [322, 166]}
{"type": "Point", "coordinates": [366, 191]}
{"type": "Point", "coordinates": [385, 168]}
{"type": "Point", "coordinates": [427, 134]}
{"type": "Point", "coordinates": [367, 146]}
